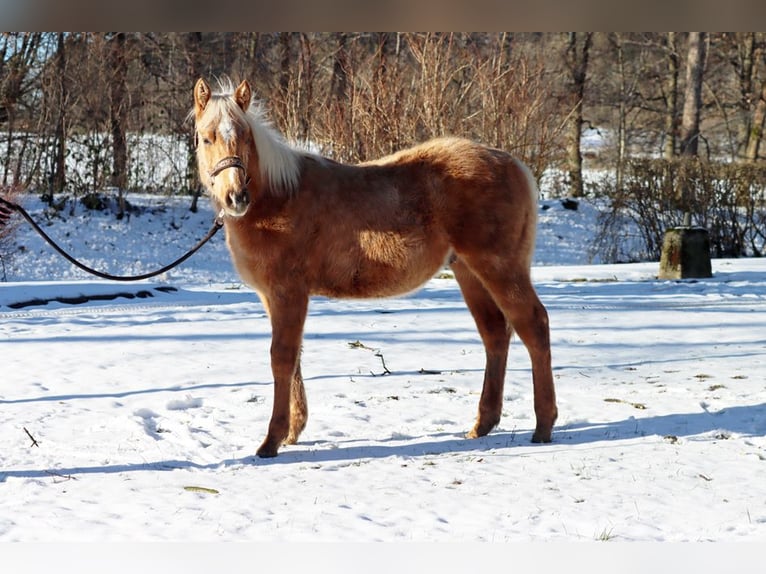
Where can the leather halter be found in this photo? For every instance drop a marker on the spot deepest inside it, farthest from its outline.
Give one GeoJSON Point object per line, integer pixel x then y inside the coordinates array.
{"type": "Point", "coordinates": [227, 162]}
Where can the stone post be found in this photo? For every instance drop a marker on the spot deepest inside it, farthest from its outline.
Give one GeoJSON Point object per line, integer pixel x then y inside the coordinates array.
{"type": "Point", "coordinates": [685, 254]}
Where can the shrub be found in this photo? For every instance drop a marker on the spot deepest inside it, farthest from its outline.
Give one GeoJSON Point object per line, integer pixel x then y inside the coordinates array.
{"type": "Point", "coordinates": [8, 225]}
{"type": "Point", "coordinates": [727, 199]}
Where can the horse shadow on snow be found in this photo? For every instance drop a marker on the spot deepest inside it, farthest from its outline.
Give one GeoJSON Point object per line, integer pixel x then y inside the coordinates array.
{"type": "Point", "coordinates": [747, 420]}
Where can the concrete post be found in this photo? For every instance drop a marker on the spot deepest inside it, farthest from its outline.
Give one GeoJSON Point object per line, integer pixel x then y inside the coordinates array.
{"type": "Point", "coordinates": [685, 254]}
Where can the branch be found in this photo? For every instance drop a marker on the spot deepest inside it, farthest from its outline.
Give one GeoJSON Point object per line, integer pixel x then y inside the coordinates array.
{"type": "Point", "coordinates": [59, 475]}
{"type": "Point", "coordinates": [34, 441]}
{"type": "Point", "coordinates": [382, 360]}
{"type": "Point", "coordinates": [377, 352]}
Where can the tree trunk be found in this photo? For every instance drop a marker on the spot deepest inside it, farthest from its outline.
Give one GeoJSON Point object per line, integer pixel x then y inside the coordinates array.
{"type": "Point", "coordinates": [286, 58]}
{"type": "Point", "coordinates": [58, 179]}
{"type": "Point", "coordinates": [617, 44]}
{"type": "Point", "coordinates": [191, 43]}
{"type": "Point", "coordinates": [118, 116]}
{"type": "Point", "coordinates": [339, 80]}
{"type": "Point", "coordinates": [695, 68]}
{"type": "Point", "coordinates": [757, 125]}
{"type": "Point", "coordinates": [689, 247]}
{"type": "Point", "coordinates": [744, 67]}
{"type": "Point", "coordinates": [307, 87]}
{"type": "Point", "coordinates": [576, 59]}
{"type": "Point", "coordinates": [671, 98]}
{"type": "Point", "coordinates": [340, 103]}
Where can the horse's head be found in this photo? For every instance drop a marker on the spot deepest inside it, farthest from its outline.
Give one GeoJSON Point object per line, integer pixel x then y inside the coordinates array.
{"type": "Point", "coordinates": [224, 142]}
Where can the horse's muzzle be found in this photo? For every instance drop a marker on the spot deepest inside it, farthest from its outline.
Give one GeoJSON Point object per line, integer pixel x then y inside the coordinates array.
{"type": "Point", "coordinates": [237, 202]}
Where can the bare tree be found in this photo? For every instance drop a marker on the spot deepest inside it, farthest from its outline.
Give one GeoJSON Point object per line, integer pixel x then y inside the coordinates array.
{"type": "Point", "coordinates": [576, 54]}
{"type": "Point", "coordinates": [19, 72]}
{"type": "Point", "coordinates": [690, 118]}
{"type": "Point", "coordinates": [671, 96]}
{"type": "Point", "coordinates": [754, 93]}
{"type": "Point", "coordinates": [58, 177]}
{"type": "Point", "coordinates": [118, 107]}
{"type": "Point", "coordinates": [758, 123]}
{"type": "Point", "coordinates": [281, 100]}
{"type": "Point", "coordinates": [191, 43]}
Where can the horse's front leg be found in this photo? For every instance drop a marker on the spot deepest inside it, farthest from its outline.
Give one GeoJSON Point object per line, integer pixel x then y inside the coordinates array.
{"type": "Point", "coordinates": [288, 314]}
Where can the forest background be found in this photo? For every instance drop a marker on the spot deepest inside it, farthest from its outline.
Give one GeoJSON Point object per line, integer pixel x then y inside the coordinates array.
{"type": "Point", "coordinates": [679, 116]}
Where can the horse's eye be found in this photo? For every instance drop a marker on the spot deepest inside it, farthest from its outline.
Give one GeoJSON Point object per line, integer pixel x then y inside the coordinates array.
{"type": "Point", "coordinates": [206, 141]}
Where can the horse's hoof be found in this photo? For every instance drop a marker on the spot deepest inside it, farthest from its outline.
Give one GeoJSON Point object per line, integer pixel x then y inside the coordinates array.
{"type": "Point", "coordinates": [263, 453]}
{"type": "Point", "coordinates": [267, 451]}
{"type": "Point", "coordinates": [483, 427]}
{"type": "Point", "coordinates": [544, 427]}
{"type": "Point", "coordinates": [542, 436]}
{"type": "Point", "coordinates": [478, 432]}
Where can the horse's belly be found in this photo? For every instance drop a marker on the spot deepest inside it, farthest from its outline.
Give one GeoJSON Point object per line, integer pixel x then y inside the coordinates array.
{"type": "Point", "coordinates": [383, 267]}
{"type": "Point", "coordinates": [370, 285]}
{"type": "Point", "coordinates": [386, 282]}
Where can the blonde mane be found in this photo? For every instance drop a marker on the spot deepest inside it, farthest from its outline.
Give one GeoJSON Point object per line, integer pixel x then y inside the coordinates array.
{"type": "Point", "coordinates": [278, 162]}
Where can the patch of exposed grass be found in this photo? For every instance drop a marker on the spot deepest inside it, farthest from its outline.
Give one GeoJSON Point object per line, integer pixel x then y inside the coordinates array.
{"type": "Point", "coordinates": [606, 535]}
{"type": "Point", "coordinates": [640, 406]}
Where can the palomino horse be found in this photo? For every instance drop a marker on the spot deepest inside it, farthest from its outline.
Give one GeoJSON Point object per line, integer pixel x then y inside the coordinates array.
{"type": "Point", "coordinates": [298, 224]}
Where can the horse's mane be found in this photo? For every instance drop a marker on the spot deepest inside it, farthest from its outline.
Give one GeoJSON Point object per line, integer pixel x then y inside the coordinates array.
{"type": "Point", "coordinates": [279, 163]}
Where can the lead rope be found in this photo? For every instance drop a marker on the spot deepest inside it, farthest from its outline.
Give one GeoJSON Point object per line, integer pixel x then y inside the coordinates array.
{"type": "Point", "coordinates": [6, 205]}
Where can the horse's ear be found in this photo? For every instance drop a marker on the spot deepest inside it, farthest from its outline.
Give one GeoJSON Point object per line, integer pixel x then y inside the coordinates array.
{"type": "Point", "coordinates": [242, 95]}
{"type": "Point", "coordinates": [201, 96]}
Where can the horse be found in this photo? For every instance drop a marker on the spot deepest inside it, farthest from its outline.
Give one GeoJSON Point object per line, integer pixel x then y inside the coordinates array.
{"type": "Point", "coordinates": [299, 224]}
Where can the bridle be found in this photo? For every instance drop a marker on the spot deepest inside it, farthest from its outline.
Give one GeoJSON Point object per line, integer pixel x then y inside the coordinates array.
{"type": "Point", "coordinates": [226, 163]}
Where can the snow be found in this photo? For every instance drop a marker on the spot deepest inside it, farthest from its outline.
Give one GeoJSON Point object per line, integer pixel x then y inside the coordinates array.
{"type": "Point", "coordinates": [134, 413]}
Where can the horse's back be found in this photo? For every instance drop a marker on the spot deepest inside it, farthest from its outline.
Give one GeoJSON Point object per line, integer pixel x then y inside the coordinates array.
{"type": "Point", "coordinates": [484, 198]}
{"type": "Point", "coordinates": [459, 166]}
{"type": "Point", "coordinates": [386, 226]}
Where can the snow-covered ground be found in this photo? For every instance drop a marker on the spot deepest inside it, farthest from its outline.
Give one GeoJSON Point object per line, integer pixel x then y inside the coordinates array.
{"type": "Point", "coordinates": [131, 412]}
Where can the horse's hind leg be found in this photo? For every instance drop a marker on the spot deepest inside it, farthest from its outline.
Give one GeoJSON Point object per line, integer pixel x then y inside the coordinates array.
{"type": "Point", "coordinates": [298, 407]}
{"type": "Point", "coordinates": [530, 320]}
{"type": "Point", "coordinates": [511, 289]}
{"type": "Point", "coordinates": [496, 336]}
{"type": "Point", "coordinates": [515, 294]}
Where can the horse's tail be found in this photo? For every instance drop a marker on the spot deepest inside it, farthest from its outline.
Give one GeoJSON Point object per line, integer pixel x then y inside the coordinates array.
{"type": "Point", "coordinates": [531, 181]}
{"type": "Point", "coordinates": [534, 194]}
